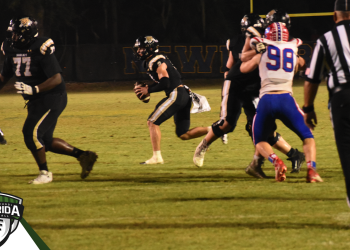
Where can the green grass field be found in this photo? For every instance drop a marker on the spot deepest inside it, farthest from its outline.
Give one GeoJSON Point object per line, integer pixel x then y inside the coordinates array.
{"type": "Point", "coordinates": [124, 205]}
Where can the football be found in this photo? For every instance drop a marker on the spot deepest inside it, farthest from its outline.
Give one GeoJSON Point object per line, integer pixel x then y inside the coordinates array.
{"type": "Point", "coordinates": [144, 98]}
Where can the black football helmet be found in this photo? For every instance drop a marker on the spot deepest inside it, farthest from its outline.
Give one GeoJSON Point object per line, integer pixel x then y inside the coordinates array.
{"type": "Point", "coordinates": [150, 43]}
{"type": "Point", "coordinates": [21, 31]}
{"type": "Point", "coordinates": [276, 15]}
{"type": "Point", "coordinates": [252, 20]}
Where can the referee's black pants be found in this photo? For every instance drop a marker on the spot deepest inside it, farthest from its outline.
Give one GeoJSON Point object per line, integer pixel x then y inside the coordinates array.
{"type": "Point", "coordinates": [340, 113]}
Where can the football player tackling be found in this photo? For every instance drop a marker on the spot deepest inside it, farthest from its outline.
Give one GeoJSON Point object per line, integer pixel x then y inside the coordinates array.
{"type": "Point", "coordinates": [39, 80]}
{"type": "Point", "coordinates": [242, 91]}
{"type": "Point", "coordinates": [277, 67]}
{"type": "Point", "coordinates": [177, 102]}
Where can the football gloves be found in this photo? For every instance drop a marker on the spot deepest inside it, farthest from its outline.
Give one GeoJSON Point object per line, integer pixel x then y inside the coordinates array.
{"type": "Point", "coordinates": [260, 48]}
{"type": "Point", "coordinates": [23, 88]}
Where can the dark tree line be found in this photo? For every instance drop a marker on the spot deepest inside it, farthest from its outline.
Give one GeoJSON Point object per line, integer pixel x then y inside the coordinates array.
{"type": "Point", "coordinates": [171, 21]}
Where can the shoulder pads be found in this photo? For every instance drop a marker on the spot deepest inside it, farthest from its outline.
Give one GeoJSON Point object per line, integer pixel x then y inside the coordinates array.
{"type": "Point", "coordinates": [45, 45]}
{"type": "Point", "coordinates": [298, 41]}
{"type": "Point", "coordinates": [256, 40]}
{"type": "Point", "coordinates": [153, 60]}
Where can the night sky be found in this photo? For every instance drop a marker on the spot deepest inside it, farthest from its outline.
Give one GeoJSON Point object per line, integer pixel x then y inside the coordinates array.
{"type": "Point", "coordinates": [180, 21]}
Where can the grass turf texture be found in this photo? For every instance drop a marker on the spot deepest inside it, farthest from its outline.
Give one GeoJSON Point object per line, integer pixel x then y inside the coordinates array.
{"type": "Point", "coordinates": [124, 205]}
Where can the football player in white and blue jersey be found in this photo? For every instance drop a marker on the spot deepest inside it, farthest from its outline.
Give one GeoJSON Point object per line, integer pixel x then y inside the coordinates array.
{"type": "Point", "coordinates": [277, 66]}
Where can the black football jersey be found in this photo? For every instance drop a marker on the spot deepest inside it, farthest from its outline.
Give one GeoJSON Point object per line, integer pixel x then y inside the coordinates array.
{"type": "Point", "coordinates": [33, 65]}
{"type": "Point", "coordinates": [240, 82]}
{"type": "Point", "coordinates": [235, 45]}
{"type": "Point", "coordinates": [174, 76]}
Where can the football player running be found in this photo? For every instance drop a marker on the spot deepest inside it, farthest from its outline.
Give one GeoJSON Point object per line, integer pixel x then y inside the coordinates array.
{"type": "Point", "coordinates": [177, 102]}
{"type": "Point", "coordinates": [31, 59]}
{"type": "Point", "coordinates": [277, 67]}
{"type": "Point", "coordinates": [242, 91]}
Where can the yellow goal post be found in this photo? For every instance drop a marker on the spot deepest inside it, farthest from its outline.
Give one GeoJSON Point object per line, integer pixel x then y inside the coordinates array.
{"type": "Point", "coordinates": [297, 14]}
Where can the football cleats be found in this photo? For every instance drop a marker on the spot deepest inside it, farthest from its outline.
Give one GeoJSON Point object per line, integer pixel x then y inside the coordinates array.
{"type": "Point", "coordinates": [251, 23]}
{"type": "Point", "coordinates": [150, 45]}
{"type": "Point", "coordinates": [277, 32]}
{"type": "Point", "coordinates": [276, 15]}
{"type": "Point", "coordinates": [21, 31]}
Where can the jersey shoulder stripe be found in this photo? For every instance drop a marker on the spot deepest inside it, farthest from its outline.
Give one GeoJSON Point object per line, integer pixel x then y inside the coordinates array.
{"type": "Point", "coordinates": [48, 44]}
{"type": "Point", "coordinates": [255, 40]}
{"type": "Point", "coordinates": [153, 60]}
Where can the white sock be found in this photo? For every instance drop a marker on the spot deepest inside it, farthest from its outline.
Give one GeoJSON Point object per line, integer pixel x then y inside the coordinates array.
{"type": "Point", "coordinates": [256, 157]}
{"type": "Point", "coordinates": [157, 154]}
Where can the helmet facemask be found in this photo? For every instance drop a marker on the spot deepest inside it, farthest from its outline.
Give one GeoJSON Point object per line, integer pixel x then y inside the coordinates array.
{"type": "Point", "coordinates": [252, 20]}
{"type": "Point", "coordinates": [276, 15]}
{"type": "Point", "coordinates": [145, 46]}
{"type": "Point", "coordinates": [22, 31]}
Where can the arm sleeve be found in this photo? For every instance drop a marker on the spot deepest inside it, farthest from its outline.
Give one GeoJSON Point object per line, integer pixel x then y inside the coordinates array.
{"type": "Point", "coordinates": [163, 84]}
{"type": "Point", "coordinates": [7, 68]}
{"type": "Point", "coordinates": [236, 46]}
{"type": "Point", "coordinates": [314, 73]}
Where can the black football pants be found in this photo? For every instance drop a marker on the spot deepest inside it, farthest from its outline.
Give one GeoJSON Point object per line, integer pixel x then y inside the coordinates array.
{"type": "Point", "coordinates": [42, 119]}
{"type": "Point", "coordinates": [340, 113]}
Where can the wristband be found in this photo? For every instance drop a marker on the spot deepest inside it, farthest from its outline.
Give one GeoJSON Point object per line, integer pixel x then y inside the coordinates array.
{"type": "Point", "coordinates": [227, 69]}
{"type": "Point", "coordinates": [35, 90]}
{"type": "Point", "coordinates": [308, 109]}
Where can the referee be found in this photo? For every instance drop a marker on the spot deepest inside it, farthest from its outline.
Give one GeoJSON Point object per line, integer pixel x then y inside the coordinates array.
{"type": "Point", "coordinates": [333, 49]}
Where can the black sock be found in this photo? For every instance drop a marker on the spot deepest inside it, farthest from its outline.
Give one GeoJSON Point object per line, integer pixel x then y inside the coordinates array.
{"type": "Point", "coordinates": [291, 152]}
{"type": "Point", "coordinates": [43, 166]}
{"type": "Point", "coordinates": [77, 152]}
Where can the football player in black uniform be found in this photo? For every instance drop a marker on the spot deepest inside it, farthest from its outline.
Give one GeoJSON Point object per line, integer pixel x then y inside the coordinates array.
{"type": "Point", "coordinates": [278, 15]}
{"type": "Point", "coordinates": [177, 102]}
{"type": "Point", "coordinates": [242, 91]}
{"type": "Point", "coordinates": [2, 138]}
{"type": "Point", "coordinates": [31, 59]}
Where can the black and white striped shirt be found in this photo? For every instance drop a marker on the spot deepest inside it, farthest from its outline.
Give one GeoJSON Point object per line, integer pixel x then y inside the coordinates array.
{"type": "Point", "coordinates": [333, 51]}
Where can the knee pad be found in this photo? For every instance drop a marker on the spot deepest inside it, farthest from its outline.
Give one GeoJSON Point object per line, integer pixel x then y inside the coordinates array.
{"type": "Point", "coordinates": [216, 130]}
{"type": "Point", "coordinates": [273, 139]}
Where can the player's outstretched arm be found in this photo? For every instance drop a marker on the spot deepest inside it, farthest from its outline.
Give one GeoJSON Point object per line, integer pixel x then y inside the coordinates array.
{"type": "Point", "coordinates": [246, 56]}
{"type": "Point", "coordinates": [250, 65]}
{"type": "Point", "coordinates": [247, 52]}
